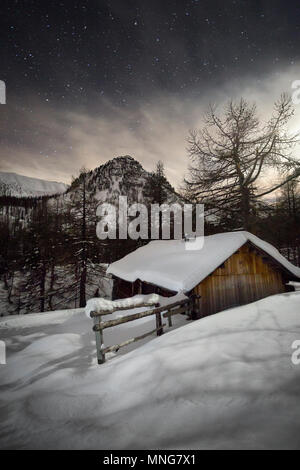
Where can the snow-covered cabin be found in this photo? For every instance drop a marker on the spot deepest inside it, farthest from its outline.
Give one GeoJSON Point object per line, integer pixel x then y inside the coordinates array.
{"type": "Point", "coordinates": [231, 269]}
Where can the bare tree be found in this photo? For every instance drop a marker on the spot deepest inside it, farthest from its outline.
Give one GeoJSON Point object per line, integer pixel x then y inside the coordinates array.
{"type": "Point", "coordinates": [232, 152]}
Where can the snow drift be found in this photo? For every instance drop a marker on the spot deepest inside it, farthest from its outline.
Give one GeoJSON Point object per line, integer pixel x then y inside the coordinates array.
{"type": "Point", "coordinates": [226, 381]}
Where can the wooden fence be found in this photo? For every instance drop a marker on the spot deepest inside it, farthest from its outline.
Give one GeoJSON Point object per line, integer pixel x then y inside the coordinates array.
{"type": "Point", "coordinates": [166, 312]}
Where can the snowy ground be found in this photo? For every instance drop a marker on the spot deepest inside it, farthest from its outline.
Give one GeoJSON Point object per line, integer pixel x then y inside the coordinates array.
{"type": "Point", "coordinates": [226, 381]}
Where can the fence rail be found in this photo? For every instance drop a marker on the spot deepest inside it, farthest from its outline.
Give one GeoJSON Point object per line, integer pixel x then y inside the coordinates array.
{"type": "Point", "coordinates": [167, 311]}
{"type": "Point", "coordinates": [110, 311]}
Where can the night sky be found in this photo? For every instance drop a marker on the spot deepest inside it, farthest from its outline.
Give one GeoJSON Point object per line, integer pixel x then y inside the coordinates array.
{"type": "Point", "coordinates": [87, 81]}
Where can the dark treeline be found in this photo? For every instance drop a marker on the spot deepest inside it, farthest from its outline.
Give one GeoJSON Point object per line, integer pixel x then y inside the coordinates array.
{"type": "Point", "coordinates": [50, 256]}
{"type": "Point", "coordinates": [275, 221]}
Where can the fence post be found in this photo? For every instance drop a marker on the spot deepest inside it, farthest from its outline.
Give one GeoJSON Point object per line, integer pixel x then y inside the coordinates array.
{"type": "Point", "coordinates": [99, 342]}
{"type": "Point", "coordinates": [195, 307]}
{"type": "Point", "coordinates": [160, 330]}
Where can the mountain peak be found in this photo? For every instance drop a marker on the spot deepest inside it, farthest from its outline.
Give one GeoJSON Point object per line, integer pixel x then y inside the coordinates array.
{"type": "Point", "coordinates": [121, 176]}
{"type": "Point", "coordinates": [121, 160]}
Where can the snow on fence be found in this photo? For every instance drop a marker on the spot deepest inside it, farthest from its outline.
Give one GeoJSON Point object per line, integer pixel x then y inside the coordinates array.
{"type": "Point", "coordinates": [166, 311]}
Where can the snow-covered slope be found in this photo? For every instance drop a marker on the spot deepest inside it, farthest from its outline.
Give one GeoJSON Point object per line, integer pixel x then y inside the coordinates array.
{"type": "Point", "coordinates": [12, 184]}
{"type": "Point", "coordinates": [226, 381]}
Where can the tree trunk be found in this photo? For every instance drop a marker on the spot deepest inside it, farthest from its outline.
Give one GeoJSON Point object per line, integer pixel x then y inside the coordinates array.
{"type": "Point", "coordinates": [245, 208]}
{"type": "Point", "coordinates": [82, 296]}
{"type": "Point", "coordinates": [52, 277]}
{"type": "Point", "coordinates": [42, 288]}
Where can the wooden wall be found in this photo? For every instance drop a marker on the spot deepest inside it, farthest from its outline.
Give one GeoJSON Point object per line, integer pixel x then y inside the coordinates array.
{"type": "Point", "coordinates": [245, 277]}
{"type": "Point", "coordinates": [123, 289]}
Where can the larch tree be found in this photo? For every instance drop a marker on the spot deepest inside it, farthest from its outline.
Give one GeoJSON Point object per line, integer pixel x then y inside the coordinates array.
{"type": "Point", "coordinates": [156, 186]}
{"type": "Point", "coordinates": [82, 230]}
{"type": "Point", "coordinates": [158, 190]}
{"type": "Point", "coordinates": [288, 207]}
{"type": "Point", "coordinates": [233, 151]}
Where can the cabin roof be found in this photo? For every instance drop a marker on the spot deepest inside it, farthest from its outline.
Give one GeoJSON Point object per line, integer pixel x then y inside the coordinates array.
{"type": "Point", "coordinates": [172, 264]}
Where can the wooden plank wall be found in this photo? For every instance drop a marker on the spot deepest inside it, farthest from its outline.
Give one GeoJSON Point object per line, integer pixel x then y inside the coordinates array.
{"type": "Point", "coordinates": [123, 289]}
{"type": "Point", "coordinates": [245, 277]}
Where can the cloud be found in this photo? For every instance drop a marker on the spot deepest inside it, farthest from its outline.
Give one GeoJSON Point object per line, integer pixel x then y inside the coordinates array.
{"type": "Point", "coordinates": [45, 140]}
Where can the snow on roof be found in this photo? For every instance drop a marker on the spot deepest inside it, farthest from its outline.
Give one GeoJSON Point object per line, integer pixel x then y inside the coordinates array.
{"type": "Point", "coordinates": [168, 264]}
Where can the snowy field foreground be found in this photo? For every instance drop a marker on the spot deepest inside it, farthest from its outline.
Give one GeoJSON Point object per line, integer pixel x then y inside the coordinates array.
{"type": "Point", "coordinates": [226, 381]}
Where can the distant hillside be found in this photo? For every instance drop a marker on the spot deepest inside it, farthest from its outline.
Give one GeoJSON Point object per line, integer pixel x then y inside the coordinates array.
{"type": "Point", "coordinates": [121, 176]}
{"type": "Point", "coordinates": [12, 184]}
